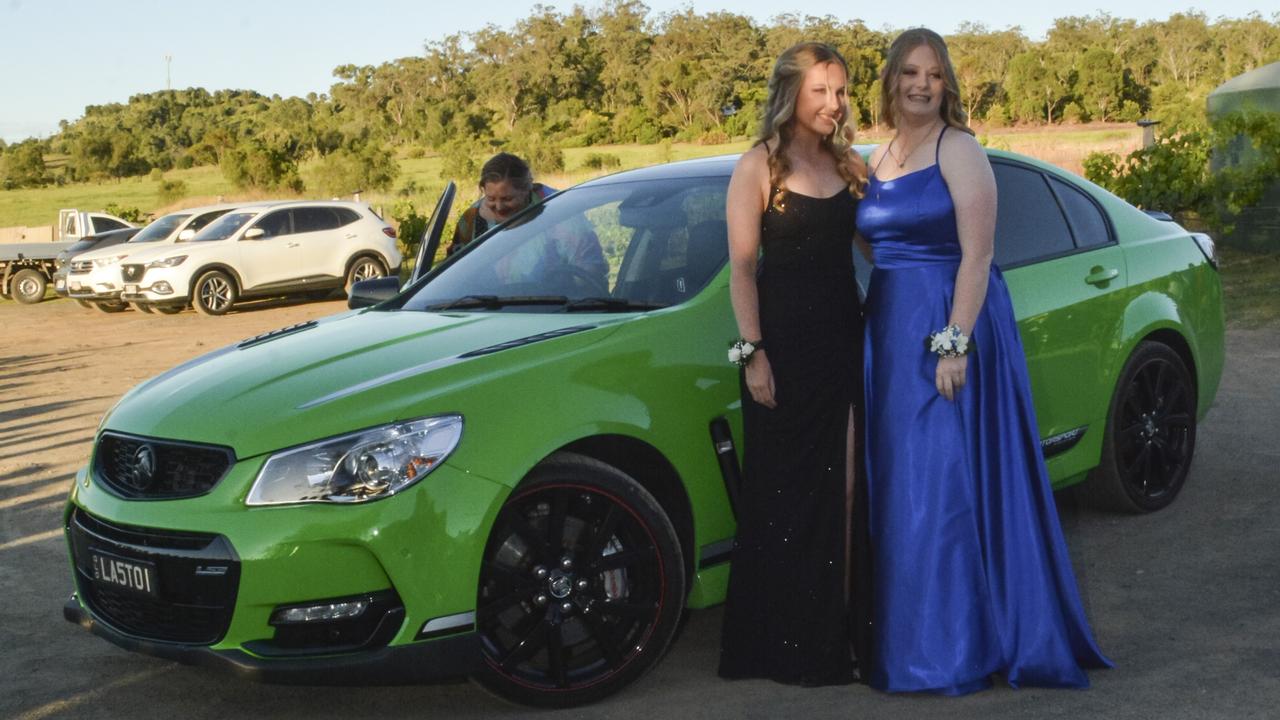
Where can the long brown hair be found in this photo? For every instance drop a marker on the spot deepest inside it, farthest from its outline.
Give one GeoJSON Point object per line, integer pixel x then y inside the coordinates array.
{"type": "Point", "coordinates": [776, 128]}
{"type": "Point", "coordinates": [952, 111]}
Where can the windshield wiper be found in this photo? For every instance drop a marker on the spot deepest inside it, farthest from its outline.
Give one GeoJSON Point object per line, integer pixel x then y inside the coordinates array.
{"type": "Point", "coordinates": [496, 302]}
{"type": "Point", "coordinates": [609, 304]}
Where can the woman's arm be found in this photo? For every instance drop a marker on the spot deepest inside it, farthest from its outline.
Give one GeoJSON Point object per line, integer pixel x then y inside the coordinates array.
{"type": "Point", "coordinates": [973, 192]}
{"type": "Point", "coordinates": [744, 207]}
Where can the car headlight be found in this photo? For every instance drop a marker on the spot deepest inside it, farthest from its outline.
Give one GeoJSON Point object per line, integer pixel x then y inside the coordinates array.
{"type": "Point", "coordinates": [363, 466]}
{"type": "Point", "coordinates": [174, 261]}
{"type": "Point", "coordinates": [103, 262]}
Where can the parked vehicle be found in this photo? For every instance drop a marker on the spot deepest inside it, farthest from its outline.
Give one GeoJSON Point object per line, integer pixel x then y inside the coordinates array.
{"type": "Point", "coordinates": [94, 277]}
{"type": "Point", "coordinates": [27, 269]}
{"type": "Point", "coordinates": [81, 246]}
{"type": "Point", "coordinates": [523, 468]}
{"type": "Point", "coordinates": [278, 249]}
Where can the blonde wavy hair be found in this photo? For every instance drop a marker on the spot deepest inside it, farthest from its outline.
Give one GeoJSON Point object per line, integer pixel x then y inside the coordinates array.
{"type": "Point", "coordinates": [776, 127]}
{"type": "Point", "coordinates": [951, 111]}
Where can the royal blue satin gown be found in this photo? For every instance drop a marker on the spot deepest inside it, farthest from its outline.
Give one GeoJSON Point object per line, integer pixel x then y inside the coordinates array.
{"type": "Point", "coordinates": [971, 576]}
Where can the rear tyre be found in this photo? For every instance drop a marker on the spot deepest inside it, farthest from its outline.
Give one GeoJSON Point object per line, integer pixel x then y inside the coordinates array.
{"type": "Point", "coordinates": [1150, 436]}
{"type": "Point", "coordinates": [582, 586]}
{"type": "Point", "coordinates": [168, 309]}
{"type": "Point", "coordinates": [214, 293]}
{"type": "Point", "coordinates": [28, 286]}
{"type": "Point", "coordinates": [364, 267]}
{"type": "Point", "coordinates": [141, 307]}
{"type": "Point", "coordinates": [110, 307]}
{"type": "Point", "coordinates": [84, 304]}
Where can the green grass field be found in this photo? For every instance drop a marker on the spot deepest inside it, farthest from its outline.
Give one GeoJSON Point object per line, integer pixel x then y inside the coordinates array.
{"type": "Point", "coordinates": [1062, 145]}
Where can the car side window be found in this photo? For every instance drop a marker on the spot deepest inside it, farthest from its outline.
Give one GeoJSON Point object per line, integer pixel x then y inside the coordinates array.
{"type": "Point", "coordinates": [101, 224]}
{"type": "Point", "coordinates": [1029, 222]}
{"type": "Point", "coordinates": [274, 224]}
{"type": "Point", "coordinates": [201, 220]}
{"type": "Point", "coordinates": [314, 219]}
{"type": "Point", "coordinates": [1086, 220]}
{"type": "Point", "coordinates": [346, 216]}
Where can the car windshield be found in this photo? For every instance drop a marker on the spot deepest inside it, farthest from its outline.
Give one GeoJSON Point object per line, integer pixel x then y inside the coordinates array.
{"type": "Point", "coordinates": [160, 228]}
{"type": "Point", "coordinates": [616, 247]}
{"type": "Point", "coordinates": [224, 227]}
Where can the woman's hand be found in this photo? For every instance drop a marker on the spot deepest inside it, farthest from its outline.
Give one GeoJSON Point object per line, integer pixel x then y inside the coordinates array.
{"type": "Point", "coordinates": [760, 379]}
{"type": "Point", "coordinates": [950, 376]}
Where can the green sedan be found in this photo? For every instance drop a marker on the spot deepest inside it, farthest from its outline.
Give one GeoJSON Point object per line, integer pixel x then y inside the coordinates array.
{"type": "Point", "coordinates": [522, 467]}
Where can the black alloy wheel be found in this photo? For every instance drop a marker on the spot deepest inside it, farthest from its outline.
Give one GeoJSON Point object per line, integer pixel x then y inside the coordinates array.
{"type": "Point", "coordinates": [582, 586]}
{"type": "Point", "coordinates": [1151, 433]}
{"type": "Point", "coordinates": [364, 268]}
{"type": "Point", "coordinates": [28, 286]}
{"type": "Point", "coordinates": [214, 293]}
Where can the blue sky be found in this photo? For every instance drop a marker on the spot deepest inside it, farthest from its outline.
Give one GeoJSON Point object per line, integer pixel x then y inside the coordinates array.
{"type": "Point", "coordinates": [57, 56]}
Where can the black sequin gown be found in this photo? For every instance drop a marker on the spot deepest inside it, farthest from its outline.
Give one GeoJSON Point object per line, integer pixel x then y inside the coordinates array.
{"type": "Point", "coordinates": [787, 614]}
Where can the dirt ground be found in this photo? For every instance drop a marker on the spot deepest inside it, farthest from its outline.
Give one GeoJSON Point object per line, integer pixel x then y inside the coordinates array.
{"type": "Point", "coordinates": [1186, 601]}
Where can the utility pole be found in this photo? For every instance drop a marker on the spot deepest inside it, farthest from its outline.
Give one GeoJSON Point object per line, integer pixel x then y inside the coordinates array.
{"type": "Point", "coordinates": [168, 82]}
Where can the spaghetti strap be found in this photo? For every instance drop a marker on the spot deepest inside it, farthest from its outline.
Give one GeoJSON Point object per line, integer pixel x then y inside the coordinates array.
{"type": "Point", "coordinates": [937, 150]}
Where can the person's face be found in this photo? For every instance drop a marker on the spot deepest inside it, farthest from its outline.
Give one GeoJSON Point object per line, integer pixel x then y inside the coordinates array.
{"type": "Point", "coordinates": [920, 85]}
{"type": "Point", "coordinates": [820, 104]}
{"type": "Point", "coordinates": [502, 199]}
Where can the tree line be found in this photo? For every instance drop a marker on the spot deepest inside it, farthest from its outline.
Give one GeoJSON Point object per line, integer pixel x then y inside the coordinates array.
{"type": "Point", "coordinates": [619, 74]}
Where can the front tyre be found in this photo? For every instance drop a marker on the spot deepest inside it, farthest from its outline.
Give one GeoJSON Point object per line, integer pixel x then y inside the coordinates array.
{"type": "Point", "coordinates": [214, 293]}
{"type": "Point", "coordinates": [582, 585]}
{"type": "Point", "coordinates": [1151, 433]}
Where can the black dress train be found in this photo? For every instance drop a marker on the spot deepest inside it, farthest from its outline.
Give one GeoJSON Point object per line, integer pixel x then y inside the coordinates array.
{"type": "Point", "coordinates": [787, 613]}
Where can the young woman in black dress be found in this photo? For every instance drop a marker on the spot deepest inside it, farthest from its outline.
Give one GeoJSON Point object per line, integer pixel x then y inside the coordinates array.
{"type": "Point", "coordinates": [791, 210]}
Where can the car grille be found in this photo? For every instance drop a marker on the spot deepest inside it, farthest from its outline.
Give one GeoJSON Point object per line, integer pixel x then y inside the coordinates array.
{"type": "Point", "coordinates": [132, 273]}
{"type": "Point", "coordinates": [80, 267]}
{"type": "Point", "coordinates": [197, 576]}
{"type": "Point", "coordinates": [144, 468]}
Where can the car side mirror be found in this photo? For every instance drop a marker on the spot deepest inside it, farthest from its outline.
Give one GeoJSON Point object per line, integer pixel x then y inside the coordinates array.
{"type": "Point", "coordinates": [373, 291]}
{"type": "Point", "coordinates": [254, 233]}
{"type": "Point", "coordinates": [186, 235]}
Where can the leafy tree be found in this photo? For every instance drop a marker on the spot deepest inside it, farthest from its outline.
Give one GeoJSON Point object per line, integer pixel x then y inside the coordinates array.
{"type": "Point", "coordinates": [22, 165]}
{"type": "Point", "coordinates": [253, 164]}
{"type": "Point", "coordinates": [1100, 82]}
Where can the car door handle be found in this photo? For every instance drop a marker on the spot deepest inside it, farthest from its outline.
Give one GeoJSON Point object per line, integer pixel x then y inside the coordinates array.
{"type": "Point", "coordinates": [294, 244]}
{"type": "Point", "coordinates": [1099, 275]}
{"type": "Point", "coordinates": [350, 236]}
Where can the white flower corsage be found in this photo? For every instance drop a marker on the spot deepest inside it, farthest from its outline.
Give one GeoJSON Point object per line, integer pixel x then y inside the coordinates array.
{"type": "Point", "coordinates": [948, 342]}
{"type": "Point", "coordinates": [740, 351]}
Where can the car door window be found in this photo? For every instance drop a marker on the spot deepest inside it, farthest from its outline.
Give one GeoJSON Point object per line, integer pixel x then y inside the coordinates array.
{"type": "Point", "coordinates": [346, 216]}
{"type": "Point", "coordinates": [1029, 222]}
{"type": "Point", "coordinates": [275, 224]}
{"type": "Point", "coordinates": [201, 221]}
{"type": "Point", "coordinates": [314, 219]}
{"type": "Point", "coordinates": [101, 224]}
{"type": "Point", "coordinates": [1087, 223]}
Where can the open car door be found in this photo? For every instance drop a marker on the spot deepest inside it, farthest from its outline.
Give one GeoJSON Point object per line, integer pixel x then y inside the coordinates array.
{"type": "Point", "coordinates": [433, 233]}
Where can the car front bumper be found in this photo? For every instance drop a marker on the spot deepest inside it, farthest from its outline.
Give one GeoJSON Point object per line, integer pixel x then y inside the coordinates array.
{"type": "Point", "coordinates": [444, 659]}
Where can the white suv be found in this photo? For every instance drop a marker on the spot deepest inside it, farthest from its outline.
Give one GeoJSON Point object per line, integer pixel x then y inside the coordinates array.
{"type": "Point", "coordinates": [93, 278]}
{"type": "Point", "coordinates": [280, 249]}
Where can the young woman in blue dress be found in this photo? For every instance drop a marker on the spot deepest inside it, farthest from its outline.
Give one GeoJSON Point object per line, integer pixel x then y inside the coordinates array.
{"type": "Point", "coordinates": [971, 576]}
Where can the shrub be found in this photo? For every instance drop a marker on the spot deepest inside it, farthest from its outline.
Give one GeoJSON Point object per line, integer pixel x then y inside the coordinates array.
{"type": "Point", "coordinates": [132, 214]}
{"type": "Point", "coordinates": [601, 161]}
{"type": "Point", "coordinates": [156, 175]}
{"type": "Point", "coordinates": [349, 170]}
{"type": "Point", "coordinates": [172, 191]}
{"type": "Point", "coordinates": [251, 164]}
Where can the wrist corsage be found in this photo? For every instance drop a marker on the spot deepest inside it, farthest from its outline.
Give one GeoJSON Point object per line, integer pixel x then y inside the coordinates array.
{"type": "Point", "coordinates": [948, 342]}
{"type": "Point", "coordinates": [740, 351]}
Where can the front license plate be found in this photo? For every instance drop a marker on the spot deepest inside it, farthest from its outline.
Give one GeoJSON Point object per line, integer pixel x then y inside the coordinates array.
{"type": "Point", "coordinates": [59, 284]}
{"type": "Point", "coordinates": [75, 286]}
{"type": "Point", "coordinates": [136, 575]}
{"type": "Point", "coordinates": [131, 289]}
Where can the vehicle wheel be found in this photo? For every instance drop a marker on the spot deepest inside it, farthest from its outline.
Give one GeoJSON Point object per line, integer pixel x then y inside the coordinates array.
{"type": "Point", "coordinates": [582, 586]}
{"type": "Point", "coordinates": [214, 293]}
{"type": "Point", "coordinates": [168, 309]}
{"type": "Point", "coordinates": [1150, 436]}
{"type": "Point", "coordinates": [110, 307]}
{"type": "Point", "coordinates": [28, 286]}
{"type": "Point", "coordinates": [84, 304]}
{"type": "Point", "coordinates": [364, 268]}
{"type": "Point", "coordinates": [141, 307]}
